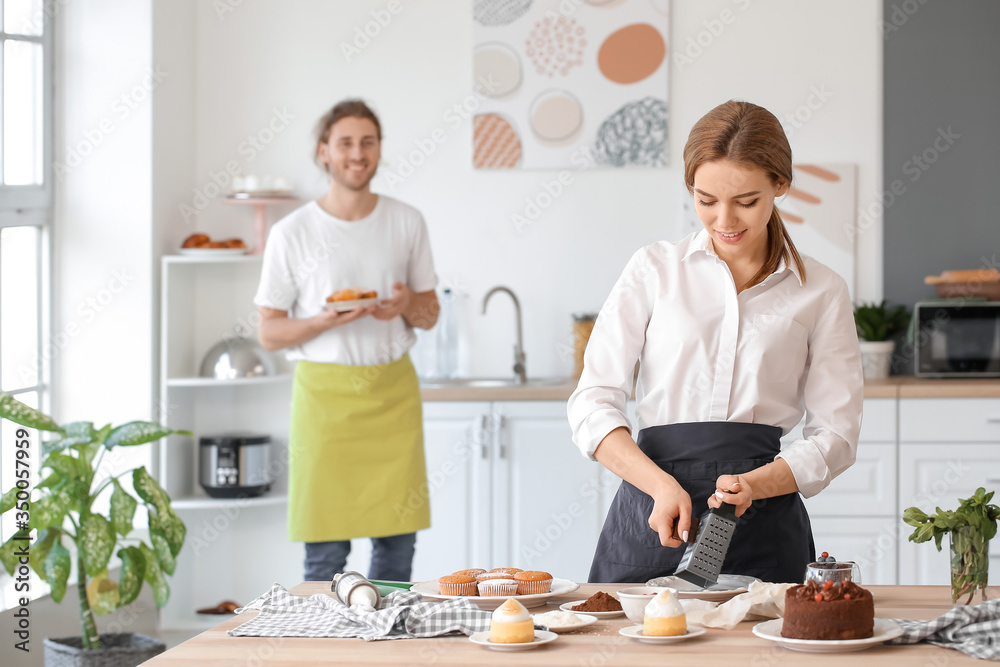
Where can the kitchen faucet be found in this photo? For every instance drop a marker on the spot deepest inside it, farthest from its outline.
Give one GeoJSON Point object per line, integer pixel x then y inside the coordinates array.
{"type": "Point", "coordinates": [519, 346]}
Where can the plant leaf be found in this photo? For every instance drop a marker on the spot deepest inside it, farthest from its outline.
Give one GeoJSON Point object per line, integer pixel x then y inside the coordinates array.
{"type": "Point", "coordinates": [50, 482]}
{"type": "Point", "coordinates": [132, 574]}
{"type": "Point", "coordinates": [76, 433]}
{"type": "Point", "coordinates": [122, 509]}
{"type": "Point", "coordinates": [138, 433]}
{"type": "Point", "coordinates": [170, 527]}
{"type": "Point", "coordinates": [96, 543]}
{"type": "Point", "coordinates": [154, 576]}
{"type": "Point", "coordinates": [50, 509]}
{"type": "Point", "coordinates": [164, 556]}
{"type": "Point", "coordinates": [102, 594]}
{"type": "Point", "coordinates": [19, 413]}
{"type": "Point", "coordinates": [41, 548]}
{"type": "Point", "coordinates": [57, 565]}
{"type": "Point", "coordinates": [68, 466]}
{"type": "Point", "coordinates": [164, 518]}
{"type": "Point", "coordinates": [9, 550]}
{"type": "Point", "coordinates": [914, 516]}
{"type": "Point", "coordinates": [8, 500]}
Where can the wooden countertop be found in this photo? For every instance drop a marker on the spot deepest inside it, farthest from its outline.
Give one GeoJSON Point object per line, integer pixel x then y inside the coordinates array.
{"type": "Point", "coordinates": [599, 644]}
{"type": "Point", "coordinates": [901, 386]}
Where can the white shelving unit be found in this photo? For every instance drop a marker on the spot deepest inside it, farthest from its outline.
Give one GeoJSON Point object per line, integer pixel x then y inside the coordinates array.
{"type": "Point", "coordinates": [235, 549]}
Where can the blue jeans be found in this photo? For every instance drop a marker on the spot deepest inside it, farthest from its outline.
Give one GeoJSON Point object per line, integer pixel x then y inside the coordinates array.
{"type": "Point", "coordinates": [392, 558]}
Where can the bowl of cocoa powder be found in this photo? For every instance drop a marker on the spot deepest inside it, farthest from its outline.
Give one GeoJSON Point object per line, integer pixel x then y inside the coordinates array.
{"type": "Point", "coordinates": [600, 604]}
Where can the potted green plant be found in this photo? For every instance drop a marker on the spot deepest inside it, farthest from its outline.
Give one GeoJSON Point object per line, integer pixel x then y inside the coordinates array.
{"type": "Point", "coordinates": [60, 509]}
{"type": "Point", "coordinates": [877, 324]}
{"type": "Point", "coordinates": [970, 527]}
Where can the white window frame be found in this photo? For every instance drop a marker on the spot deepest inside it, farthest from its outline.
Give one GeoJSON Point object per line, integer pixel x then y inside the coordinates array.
{"type": "Point", "coordinates": [32, 205]}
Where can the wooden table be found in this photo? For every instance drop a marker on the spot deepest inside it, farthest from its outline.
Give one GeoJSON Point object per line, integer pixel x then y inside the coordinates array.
{"type": "Point", "coordinates": [598, 644]}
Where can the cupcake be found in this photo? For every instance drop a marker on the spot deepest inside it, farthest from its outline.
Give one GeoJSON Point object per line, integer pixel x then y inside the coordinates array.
{"type": "Point", "coordinates": [457, 584]}
{"type": "Point", "coordinates": [511, 624]}
{"type": "Point", "coordinates": [533, 582]}
{"type": "Point", "coordinates": [664, 616]}
{"type": "Point", "coordinates": [491, 588]}
{"type": "Point", "coordinates": [473, 572]}
{"type": "Point", "coordinates": [507, 570]}
{"type": "Point", "coordinates": [486, 576]}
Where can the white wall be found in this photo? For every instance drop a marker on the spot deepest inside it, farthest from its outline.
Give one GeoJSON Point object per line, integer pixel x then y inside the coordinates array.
{"type": "Point", "coordinates": [265, 55]}
{"type": "Point", "coordinates": [102, 255]}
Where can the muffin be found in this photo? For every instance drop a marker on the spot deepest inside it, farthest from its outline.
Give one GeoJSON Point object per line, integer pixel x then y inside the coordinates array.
{"type": "Point", "coordinates": [533, 582]}
{"type": "Point", "coordinates": [457, 584]}
{"type": "Point", "coordinates": [664, 616]}
{"type": "Point", "coordinates": [486, 576]}
{"type": "Point", "coordinates": [511, 624]}
{"type": "Point", "coordinates": [507, 570]}
{"type": "Point", "coordinates": [472, 572]}
{"type": "Point", "coordinates": [492, 588]}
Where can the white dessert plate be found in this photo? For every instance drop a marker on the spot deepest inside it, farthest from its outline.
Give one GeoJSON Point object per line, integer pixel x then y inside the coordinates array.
{"type": "Point", "coordinates": [431, 591]}
{"type": "Point", "coordinates": [568, 606]}
{"type": "Point", "coordinates": [586, 619]}
{"type": "Point", "coordinates": [884, 630]}
{"type": "Point", "coordinates": [211, 252]}
{"type": "Point", "coordinates": [541, 637]}
{"type": "Point", "coordinates": [344, 306]}
{"type": "Point", "coordinates": [729, 586]}
{"type": "Point", "coordinates": [635, 632]}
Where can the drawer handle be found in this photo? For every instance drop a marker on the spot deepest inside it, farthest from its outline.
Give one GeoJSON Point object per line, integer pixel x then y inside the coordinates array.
{"type": "Point", "coordinates": [993, 481]}
{"type": "Point", "coordinates": [993, 420]}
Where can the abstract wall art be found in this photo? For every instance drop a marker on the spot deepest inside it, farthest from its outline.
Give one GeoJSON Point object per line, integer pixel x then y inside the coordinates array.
{"type": "Point", "coordinates": [570, 83]}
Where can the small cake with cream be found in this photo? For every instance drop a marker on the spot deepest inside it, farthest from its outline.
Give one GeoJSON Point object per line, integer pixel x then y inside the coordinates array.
{"type": "Point", "coordinates": [664, 616]}
{"type": "Point", "coordinates": [511, 624]}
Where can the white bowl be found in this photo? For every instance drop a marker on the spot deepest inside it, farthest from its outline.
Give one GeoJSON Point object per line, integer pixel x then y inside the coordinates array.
{"type": "Point", "coordinates": [635, 598]}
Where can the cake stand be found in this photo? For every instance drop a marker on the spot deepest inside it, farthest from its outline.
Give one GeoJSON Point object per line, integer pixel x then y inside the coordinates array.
{"type": "Point", "coordinates": [260, 204]}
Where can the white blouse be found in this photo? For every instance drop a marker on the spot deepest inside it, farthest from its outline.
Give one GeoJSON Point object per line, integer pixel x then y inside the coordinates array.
{"type": "Point", "coordinates": [707, 353]}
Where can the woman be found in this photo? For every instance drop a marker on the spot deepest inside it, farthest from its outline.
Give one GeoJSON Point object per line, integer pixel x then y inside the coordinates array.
{"type": "Point", "coordinates": [356, 438]}
{"type": "Point", "coordinates": [732, 341]}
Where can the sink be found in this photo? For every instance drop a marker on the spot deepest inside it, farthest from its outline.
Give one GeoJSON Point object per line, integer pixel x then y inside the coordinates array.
{"type": "Point", "coordinates": [489, 383]}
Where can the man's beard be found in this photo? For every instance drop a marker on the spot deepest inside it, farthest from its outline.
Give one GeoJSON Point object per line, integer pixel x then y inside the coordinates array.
{"type": "Point", "coordinates": [340, 178]}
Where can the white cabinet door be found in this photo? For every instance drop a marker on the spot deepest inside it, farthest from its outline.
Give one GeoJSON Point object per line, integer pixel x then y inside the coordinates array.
{"type": "Point", "coordinates": [867, 488]}
{"type": "Point", "coordinates": [458, 450]}
{"type": "Point", "coordinates": [937, 475]}
{"type": "Point", "coordinates": [949, 420]}
{"type": "Point", "coordinates": [871, 543]}
{"type": "Point", "coordinates": [548, 499]}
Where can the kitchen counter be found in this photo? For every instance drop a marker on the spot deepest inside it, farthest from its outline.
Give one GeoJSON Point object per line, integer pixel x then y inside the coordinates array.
{"type": "Point", "coordinates": [901, 386]}
{"type": "Point", "coordinates": [599, 644]}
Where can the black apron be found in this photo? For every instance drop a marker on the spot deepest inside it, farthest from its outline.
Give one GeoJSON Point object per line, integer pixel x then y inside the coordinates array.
{"type": "Point", "coordinates": [773, 539]}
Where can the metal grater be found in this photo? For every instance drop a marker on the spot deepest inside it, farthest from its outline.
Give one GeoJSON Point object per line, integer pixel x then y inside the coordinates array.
{"type": "Point", "coordinates": [702, 560]}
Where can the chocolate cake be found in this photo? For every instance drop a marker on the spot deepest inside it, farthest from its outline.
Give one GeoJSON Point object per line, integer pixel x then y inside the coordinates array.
{"type": "Point", "coordinates": [841, 610]}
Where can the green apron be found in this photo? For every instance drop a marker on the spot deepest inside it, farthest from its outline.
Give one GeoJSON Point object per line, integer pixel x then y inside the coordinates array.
{"type": "Point", "coordinates": [356, 452]}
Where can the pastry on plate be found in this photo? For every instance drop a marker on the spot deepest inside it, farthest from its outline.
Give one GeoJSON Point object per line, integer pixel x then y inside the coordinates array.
{"type": "Point", "coordinates": [533, 582]}
{"type": "Point", "coordinates": [457, 584]}
{"type": "Point", "coordinates": [196, 241]}
{"type": "Point", "coordinates": [664, 616]}
{"type": "Point", "coordinates": [492, 588]}
{"type": "Point", "coordinates": [511, 624]}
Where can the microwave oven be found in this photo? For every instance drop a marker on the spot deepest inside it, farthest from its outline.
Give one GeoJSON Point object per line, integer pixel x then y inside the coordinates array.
{"type": "Point", "coordinates": [957, 339]}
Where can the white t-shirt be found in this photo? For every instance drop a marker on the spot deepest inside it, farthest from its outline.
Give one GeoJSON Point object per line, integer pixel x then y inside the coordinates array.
{"type": "Point", "coordinates": [310, 254]}
{"type": "Point", "coordinates": [709, 354]}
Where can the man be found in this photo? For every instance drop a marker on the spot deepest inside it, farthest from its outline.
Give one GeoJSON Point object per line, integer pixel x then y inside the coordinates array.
{"type": "Point", "coordinates": [356, 438]}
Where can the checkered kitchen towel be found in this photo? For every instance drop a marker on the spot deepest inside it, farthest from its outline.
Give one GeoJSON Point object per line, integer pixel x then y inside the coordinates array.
{"type": "Point", "coordinates": [403, 615]}
{"type": "Point", "coordinates": [974, 630]}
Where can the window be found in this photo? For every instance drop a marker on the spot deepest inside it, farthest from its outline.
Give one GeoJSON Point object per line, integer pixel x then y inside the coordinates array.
{"type": "Point", "coordinates": [25, 223]}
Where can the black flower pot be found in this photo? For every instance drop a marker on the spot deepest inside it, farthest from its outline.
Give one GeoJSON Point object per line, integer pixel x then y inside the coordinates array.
{"type": "Point", "coordinates": [117, 650]}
